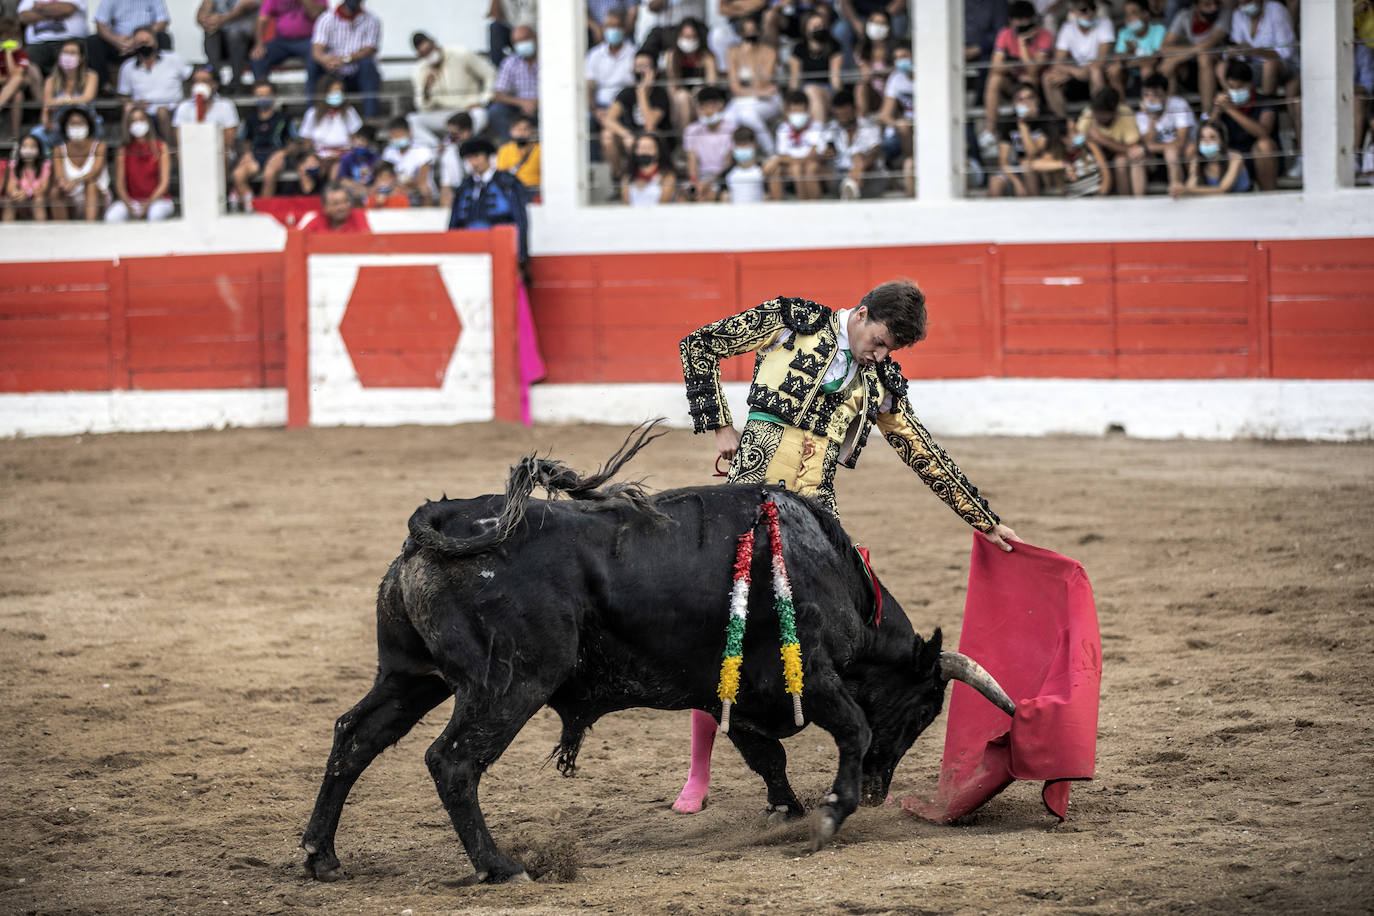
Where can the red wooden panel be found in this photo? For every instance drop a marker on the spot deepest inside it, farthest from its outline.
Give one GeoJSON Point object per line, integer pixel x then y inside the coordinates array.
{"type": "Point", "coordinates": [1174, 260]}
{"type": "Point", "coordinates": [45, 274]}
{"type": "Point", "coordinates": [411, 367]}
{"type": "Point", "coordinates": [40, 329]}
{"type": "Point", "coordinates": [237, 296]}
{"type": "Point", "coordinates": [146, 327]}
{"type": "Point", "coordinates": [274, 377]}
{"type": "Point", "coordinates": [200, 269]}
{"type": "Point", "coordinates": [76, 353]}
{"type": "Point", "coordinates": [274, 352]}
{"type": "Point", "coordinates": [1042, 298]}
{"type": "Point", "coordinates": [1290, 315]}
{"type": "Point", "coordinates": [398, 340]}
{"type": "Point", "coordinates": [942, 365]}
{"type": "Point", "coordinates": [1314, 362]}
{"type": "Point", "coordinates": [54, 301]}
{"type": "Point", "coordinates": [1058, 338]}
{"type": "Point", "coordinates": [1057, 260]}
{"type": "Point", "coordinates": [936, 279]}
{"type": "Point", "coordinates": [47, 379]}
{"type": "Point", "coordinates": [1182, 365]}
{"type": "Point", "coordinates": [1352, 280]}
{"type": "Point", "coordinates": [218, 354]}
{"type": "Point", "coordinates": [1191, 337]}
{"type": "Point", "coordinates": [194, 379]}
{"type": "Point", "coordinates": [1059, 365]}
{"type": "Point", "coordinates": [1312, 252]}
{"type": "Point", "coordinates": [1196, 298]}
{"type": "Point", "coordinates": [1335, 344]}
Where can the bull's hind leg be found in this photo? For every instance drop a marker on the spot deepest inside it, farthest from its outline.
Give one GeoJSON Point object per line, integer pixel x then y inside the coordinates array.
{"type": "Point", "coordinates": [391, 708]}
{"type": "Point", "coordinates": [766, 757]}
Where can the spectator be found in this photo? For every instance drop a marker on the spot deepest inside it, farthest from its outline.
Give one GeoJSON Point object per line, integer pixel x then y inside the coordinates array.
{"type": "Point", "coordinates": [1085, 168]}
{"type": "Point", "coordinates": [850, 24]}
{"type": "Point", "coordinates": [228, 26]}
{"type": "Point", "coordinates": [799, 142]}
{"type": "Point", "coordinates": [265, 143]}
{"type": "Point", "coordinates": [743, 179]}
{"type": "Point", "coordinates": [488, 196]}
{"type": "Point", "coordinates": [517, 83]}
{"type": "Point", "coordinates": [117, 23]}
{"type": "Point", "coordinates": [445, 82]}
{"type": "Point", "coordinates": [355, 167]}
{"type": "Point", "coordinates": [451, 167]}
{"type": "Point", "coordinates": [142, 173]}
{"type": "Point", "coordinates": [814, 67]}
{"type": "Point", "coordinates": [1080, 57]}
{"type": "Point", "coordinates": [386, 193]}
{"type": "Point", "coordinates": [18, 79]}
{"type": "Point", "coordinates": [722, 36]}
{"type": "Point", "coordinates": [688, 65]}
{"type": "Point", "coordinates": [651, 181]}
{"type": "Point", "coordinates": [506, 16]}
{"type": "Point", "coordinates": [1018, 56]}
{"type": "Point", "coordinates": [329, 128]}
{"type": "Point", "coordinates": [344, 46]}
{"type": "Point", "coordinates": [1166, 125]}
{"type": "Point", "coordinates": [599, 10]}
{"type": "Point", "coordinates": [337, 214]}
{"type": "Point", "coordinates": [1250, 123]}
{"type": "Point", "coordinates": [520, 156]}
{"type": "Point", "coordinates": [413, 164]}
{"type": "Point", "coordinates": [1138, 46]}
{"type": "Point", "coordinates": [79, 169]}
{"type": "Point", "coordinates": [1263, 36]}
{"type": "Point", "coordinates": [50, 25]}
{"type": "Point", "coordinates": [750, 67]}
{"type": "Point", "coordinates": [71, 83]}
{"type": "Point", "coordinates": [153, 79]}
{"type": "Point", "coordinates": [1193, 45]}
{"type": "Point", "coordinates": [1215, 169]}
{"type": "Point", "coordinates": [874, 53]}
{"type": "Point", "coordinates": [666, 16]}
{"type": "Point", "coordinates": [26, 187]}
{"type": "Point", "coordinates": [609, 66]}
{"type": "Point", "coordinates": [708, 142]}
{"type": "Point", "coordinates": [983, 22]}
{"type": "Point", "coordinates": [853, 148]}
{"type": "Point", "coordinates": [282, 32]}
{"type": "Point", "coordinates": [218, 110]}
{"type": "Point", "coordinates": [895, 117]}
{"type": "Point", "coordinates": [642, 108]}
{"type": "Point", "coordinates": [1025, 148]}
{"type": "Point", "coordinates": [1111, 127]}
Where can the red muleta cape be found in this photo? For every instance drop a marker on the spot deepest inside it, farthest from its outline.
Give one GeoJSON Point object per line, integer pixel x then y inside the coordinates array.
{"type": "Point", "coordinates": [1031, 622]}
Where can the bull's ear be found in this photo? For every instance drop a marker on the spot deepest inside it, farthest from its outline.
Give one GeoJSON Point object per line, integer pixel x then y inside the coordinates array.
{"type": "Point", "coordinates": [928, 652]}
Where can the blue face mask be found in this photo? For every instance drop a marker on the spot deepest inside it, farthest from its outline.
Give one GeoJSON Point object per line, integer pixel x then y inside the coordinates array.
{"type": "Point", "coordinates": [334, 98]}
{"type": "Point", "coordinates": [904, 64]}
{"type": "Point", "coordinates": [1022, 110]}
{"type": "Point", "coordinates": [524, 49]}
{"type": "Point", "coordinates": [744, 155]}
{"type": "Point", "coordinates": [1208, 150]}
{"type": "Point", "coordinates": [615, 36]}
{"type": "Point", "coordinates": [1135, 28]}
{"type": "Point", "coordinates": [1250, 9]}
{"type": "Point", "coordinates": [401, 142]}
{"type": "Point", "coordinates": [1079, 140]}
{"type": "Point", "coordinates": [1239, 96]}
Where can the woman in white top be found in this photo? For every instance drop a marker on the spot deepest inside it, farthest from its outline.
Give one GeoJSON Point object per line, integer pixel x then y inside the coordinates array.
{"type": "Point", "coordinates": [649, 183]}
{"type": "Point", "coordinates": [79, 169]}
{"type": "Point", "coordinates": [329, 127]}
{"type": "Point", "coordinates": [71, 83]}
{"type": "Point", "coordinates": [743, 177]}
{"type": "Point", "coordinates": [754, 96]}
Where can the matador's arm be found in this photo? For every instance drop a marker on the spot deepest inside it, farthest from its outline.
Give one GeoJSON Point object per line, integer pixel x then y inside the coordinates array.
{"type": "Point", "coordinates": [703, 349]}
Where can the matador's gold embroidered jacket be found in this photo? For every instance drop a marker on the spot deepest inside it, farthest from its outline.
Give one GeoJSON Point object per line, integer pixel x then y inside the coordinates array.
{"type": "Point", "coordinates": [787, 385]}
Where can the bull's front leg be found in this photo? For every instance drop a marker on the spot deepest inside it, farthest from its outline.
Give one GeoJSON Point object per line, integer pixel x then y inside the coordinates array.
{"type": "Point", "coordinates": [767, 757]}
{"type": "Point", "coordinates": [831, 707]}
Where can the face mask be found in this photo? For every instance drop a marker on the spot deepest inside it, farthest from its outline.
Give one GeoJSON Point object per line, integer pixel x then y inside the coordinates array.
{"type": "Point", "coordinates": [645, 162]}
{"type": "Point", "coordinates": [401, 142]}
{"type": "Point", "coordinates": [1208, 150]}
{"type": "Point", "coordinates": [712, 119]}
{"type": "Point", "coordinates": [615, 36]}
{"type": "Point", "coordinates": [1153, 107]}
{"type": "Point", "coordinates": [1079, 140]}
{"type": "Point", "coordinates": [1239, 96]}
{"type": "Point", "coordinates": [435, 58]}
{"type": "Point", "coordinates": [876, 31]}
{"type": "Point", "coordinates": [69, 61]}
{"type": "Point", "coordinates": [522, 141]}
{"type": "Point", "coordinates": [688, 45]}
{"type": "Point", "coordinates": [78, 132]}
{"type": "Point", "coordinates": [1023, 110]}
{"type": "Point", "coordinates": [28, 153]}
{"type": "Point", "coordinates": [751, 38]}
{"type": "Point", "coordinates": [1135, 27]}
{"type": "Point", "coordinates": [353, 5]}
{"type": "Point", "coordinates": [1086, 22]}
{"type": "Point", "coordinates": [798, 119]}
{"type": "Point", "coordinates": [202, 89]}
{"type": "Point", "coordinates": [903, 64]}
{"type": "Point", "coordinates": [817, 35]}
{"type": "Point", "coordinates": [743, 155]}
{"type": "Point", "coordinates": [334, 99]}
{"type": "Point", "coordinates": [146, 51]}
{"type": "Point", "coordinates": [266, 104]}
{"type": "Point", "coordinates": [525, 49]}
{"type": "Point", "coordinates": [1028, 30]}
{"type": "Point", "coordinates": [1209, 17]}
{"type": "Point", "coordinates": [385, 188]}
{"type": "Point", "coordinates": [1250, 9]}
{"type": "Point", "coordinates": [138, 129]}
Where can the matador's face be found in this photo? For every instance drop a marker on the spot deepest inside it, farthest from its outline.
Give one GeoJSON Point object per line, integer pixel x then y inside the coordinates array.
{"type": "Point", "coordinates": [869, 341]}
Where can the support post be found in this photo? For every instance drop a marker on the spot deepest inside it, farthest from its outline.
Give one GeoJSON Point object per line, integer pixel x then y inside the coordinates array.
{"type": "Point", "coordinates": [200, 160]}
{"type": "Point", "coordinates": [937, 46]}
{"type": "Point", "coordinates": [563, 117]}
{"type": "Point", "coordinates": [1328, 127]}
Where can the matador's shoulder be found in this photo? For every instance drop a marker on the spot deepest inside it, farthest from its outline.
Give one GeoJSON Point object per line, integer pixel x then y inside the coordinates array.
{"type": "Point", "coordinates": [802, 316]}
{"type": "Point", "coordinates": [890, 372]}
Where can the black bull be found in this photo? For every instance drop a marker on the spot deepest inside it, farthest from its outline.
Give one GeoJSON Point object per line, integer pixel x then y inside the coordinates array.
{"type": "Point", "coordinates": [618, 599]}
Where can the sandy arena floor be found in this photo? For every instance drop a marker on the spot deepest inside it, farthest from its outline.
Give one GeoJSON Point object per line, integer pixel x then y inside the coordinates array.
{"type": "Point", "coordinates": [182, 617]}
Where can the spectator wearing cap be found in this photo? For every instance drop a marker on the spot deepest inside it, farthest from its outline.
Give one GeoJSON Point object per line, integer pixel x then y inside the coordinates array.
{"type": "Point", "coordinates": [1111, 126]}
{"type": "Point", "coordinates": [517, 83]}
{"type": "Point", "coordinates": [708, 142]}
{"type": "Point", "coordinates": [506, 16]}
{"type": "Point", "coordinates": [48, 25]}
{"type": "Point", "coordinates": [520, 156]}
{"type": "Point", "coordinates": [282, 32]}
{"type": "Point", "coordinates": [609, 66]}
{"type": "Point", "coordinates": [117, 24]}
{"type": "Point", "coordinates": [344, 45]}
{"type": "Point", "coordinates": [1193, 46]}
{"type": "Point", "coordinates": [228, 27]}
{"type": "Point", "coordinates": [1080, 56]}
{"type": "Point", "coordinates": [153, 79]}
{"type": "Point", "coordinates": [445, 82]}
{"type": "Point", "coordinates": [337, 214]}
{"type": "Point", "coordinates": [217, 109]}
{"type": "Point", "coordinates": [488, 196]}
{"type": "Point", "coordinates": [413, 162]}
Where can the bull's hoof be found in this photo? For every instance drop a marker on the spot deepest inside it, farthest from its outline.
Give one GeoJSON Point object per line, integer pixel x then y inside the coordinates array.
{"type": "Point", "coordinates": [324, 867]}
{"type": "Point", "coordinates": [823, 827]}
{"type": "Point", "coordinates": [520, 876]}
{"type": "Point", "coordinates": [778, 815]}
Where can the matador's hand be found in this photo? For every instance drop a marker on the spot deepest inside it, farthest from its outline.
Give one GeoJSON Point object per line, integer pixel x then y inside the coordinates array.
{"type": "Point", "coordinates": [1000, 534]}
{"type": "Point", "coordinates": [727, 442]}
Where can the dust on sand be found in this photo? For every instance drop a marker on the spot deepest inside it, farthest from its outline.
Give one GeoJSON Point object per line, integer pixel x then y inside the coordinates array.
{"type": "Point", "coordinates": [182, 617]}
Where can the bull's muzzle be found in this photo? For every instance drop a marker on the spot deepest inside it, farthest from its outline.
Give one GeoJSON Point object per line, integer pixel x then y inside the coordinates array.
{"type": "Point", "coordinates": [957, 667]}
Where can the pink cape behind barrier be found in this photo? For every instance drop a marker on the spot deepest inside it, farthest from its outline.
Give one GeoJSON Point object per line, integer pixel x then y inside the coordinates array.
{"type": "Point", "coordinates": [531, 362]}
{"type": "Point", "coordinates": [1031, 622]}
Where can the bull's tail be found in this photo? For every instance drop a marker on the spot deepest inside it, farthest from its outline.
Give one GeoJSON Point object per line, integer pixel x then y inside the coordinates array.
{"type": "Point", "coordinates": [554, 477]}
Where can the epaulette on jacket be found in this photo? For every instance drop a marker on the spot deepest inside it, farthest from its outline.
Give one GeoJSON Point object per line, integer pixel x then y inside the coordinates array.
{"type": "Point", "coordinates": [802, 316]}
{"type": "Point", "coordinates": [890, 371]}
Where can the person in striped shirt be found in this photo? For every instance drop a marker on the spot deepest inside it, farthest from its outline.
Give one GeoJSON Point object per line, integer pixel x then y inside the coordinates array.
{"type": "Point", "coordinates": [344, 45]}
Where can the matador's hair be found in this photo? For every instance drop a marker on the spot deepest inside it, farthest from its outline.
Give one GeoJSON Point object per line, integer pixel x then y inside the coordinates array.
{"type": "Point", "coordinates": [901, 307]}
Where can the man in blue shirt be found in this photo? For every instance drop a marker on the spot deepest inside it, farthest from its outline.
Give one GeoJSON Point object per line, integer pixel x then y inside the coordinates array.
{"type": "Point", "coordinates": [489, 197]}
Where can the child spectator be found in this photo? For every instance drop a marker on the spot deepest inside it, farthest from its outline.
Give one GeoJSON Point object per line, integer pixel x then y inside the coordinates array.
{"type": "Point", "coordinates": [344, 46]}
{"type": "Point", "coordinates": [874, 53]}
{"type": "Point", "coordinates": [520, 156]}
{"type": "Point", "coordinates": [517, 83]}
{"type": "Point", "coordinates": [219, 111]}
{"type": "Point", "coordinates": [641, 108]}
{"type": "Point", "coordinates": [452, 169]}
{"type": "Point", "coordinates": [1138, 46]}
{"type": "Point", "coordinates": [688, 65]}
{"type": "Point", "coordinates": [895, 117]}
{"type": "Point", "coordinates": [291, 24]}
{"type": "Point", "coordinates": [1080, 56]}
{"type": "Point", "coordinates": [609, 66]}
{"type": "Point", "coordinates": [1215, 169]}
{"type": "Point", "coordinates": [708, 142]}
{"type": "Point", "coordinates": [1263, 36]}
{"type": "Point", "coordinates": [228, 27]}
{"type": "Point", "coordinates": [488, 196]}
{"type": "Point", "coordinates": [1085, 168]}
{"type": "Point", "coordinates": [798, 144]}
{"type": "Point", "coordinates": [853, 149]}
{"type": "Point", "coordinates": [1111, 127]}
{"type": "Point", "coordinates": [142, 172]}
{"type": "Point", "coordinates": [1018, 56]}
{"type": "Point", "coordinates": [50, 25]}
{"type": "Point", "coordinates": [445, 82]}
{"type": "Point", "coordinates": [413, 164]}
{"type": "Point", "coordinates": [265, 140]}
{"type": "Point", "coordinates": [71, 83]}
{"type": "Point", "coordinates": [337, 214]}
{"type": "Point", "coordinates": [24, 190]}
{"type": "Point", "coordinates": [329, 127]}
{"type": "Point", "coordinates": [650, 182]}
{"type": "Point", "coordinates": [386, 193]}
{"type": "Point", "coordinates": [1027, 143]}
{"type": "Point", "coordinates": [1166, 124]}
{"type": "Point", "coordinates": [1249, 121]}
{"type": "Point", "coordinates": [79, 168]}
{"type": "Point", "coordinates": [116, 38]}
{"type": "Point", "coordinates": [750, 67]}
{"type": "Point", "coordinates": [1193, 46]}
{"type": "Point", "coordinates": [153, 78]}
{"type": "Point", "coordinates": [354, 168]}
{"type": "Point", "coordinates": [18, 80]}
{"type": "Point", "coordinates": [743, 179]}
{"type": "Point", "coordinates": [815, 64]}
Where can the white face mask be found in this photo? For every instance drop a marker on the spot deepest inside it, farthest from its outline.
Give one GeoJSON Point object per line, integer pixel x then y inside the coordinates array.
{"type": "Point", "coordinates": [876, 31]}
{"type": "Point", "coordinates": [78, 132]}
{"type": "Point", "coordinates": [688, 45]}
{"type": "Point", "coordinates": [202, 89]}
{"type": "Point", "coordinates": [712, 119]}
{"type": "Point", "coordinates": [138, 128]}
{"type": "Point", "coordinates": [798, 119]}
{"type": "Point", "coordinates": [435, 58]}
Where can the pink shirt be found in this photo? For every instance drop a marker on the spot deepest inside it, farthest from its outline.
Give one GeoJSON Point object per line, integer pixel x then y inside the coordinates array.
{"type": "Point", "coordinates": [292, 22]}
{"type": "Point", "coordinates": [1042, 43]}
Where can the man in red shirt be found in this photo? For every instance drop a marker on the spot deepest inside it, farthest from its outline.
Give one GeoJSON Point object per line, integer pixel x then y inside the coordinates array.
{"type": "Point", "coordinates": [337, 215]}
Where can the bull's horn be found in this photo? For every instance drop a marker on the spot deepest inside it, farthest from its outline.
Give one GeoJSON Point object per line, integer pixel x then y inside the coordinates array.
{"type": "Point", "coordinates": [957, 667]}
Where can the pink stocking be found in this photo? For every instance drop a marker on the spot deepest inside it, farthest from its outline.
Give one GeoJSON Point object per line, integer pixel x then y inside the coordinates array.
{"type": "Point", "coordinates": [693, 796]}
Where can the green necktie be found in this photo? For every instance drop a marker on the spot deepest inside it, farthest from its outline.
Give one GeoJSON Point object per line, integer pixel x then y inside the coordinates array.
{"type": "Point", "coordinates": [848, 361]}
